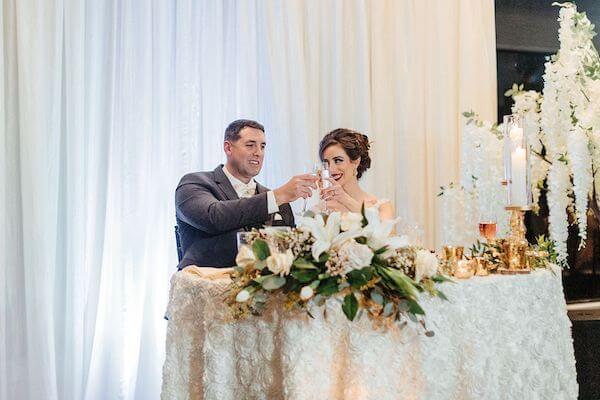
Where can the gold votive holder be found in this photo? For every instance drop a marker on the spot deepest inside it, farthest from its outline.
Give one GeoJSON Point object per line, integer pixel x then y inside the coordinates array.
{"type": "Point", "coordinates": [464, 269]}
{"type": "Point", "coordinates": [481, 266]}
{"type": "Point", "coordinates": [451, 255]}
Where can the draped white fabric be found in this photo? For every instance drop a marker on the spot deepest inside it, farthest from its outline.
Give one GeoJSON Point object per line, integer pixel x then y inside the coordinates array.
{"type": "Point", "coordinates": [104, 105]}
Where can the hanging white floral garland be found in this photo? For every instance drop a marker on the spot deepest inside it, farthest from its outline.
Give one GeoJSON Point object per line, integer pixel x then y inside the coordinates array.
{"type": "Point", "coordinates": [562, 128]}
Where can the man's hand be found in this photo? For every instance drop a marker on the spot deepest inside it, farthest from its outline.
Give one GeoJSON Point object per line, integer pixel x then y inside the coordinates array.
{"type": "Point", "coordinates": [298, 186]}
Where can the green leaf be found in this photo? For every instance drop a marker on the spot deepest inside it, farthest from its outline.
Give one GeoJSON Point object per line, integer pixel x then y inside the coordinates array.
{"type": "Point", "coordinates": [315, 284]}
{"type": "Point", "coordinates": [441, 278]}
{"type": "Point", "coordinates": [364, 221]}
{"type": "Point", "coordinates": [441, 295]}
{"type": "Point", "coordinates": [273, 282]}
{"type": "Point", "coordinates": [328, 287]}
{"type": "Point", "coordinates": [400, 281]}
{"type": "Point", "coordinates": [324, 257]}
{"type": "Point", "coordinates": [261, 249]}
{"type": "Point", "coordinates": [304, 264]}
{"type": "Point", "coordinates": [350, 306]}
{"type": "Point", "coordinates": [356, 279]}
{"type": "Point", "coordinates": [368, 272]}
{"type": "Point", "coordinates": [415, 308]}
{"type": "Point", "coordinates": [305, 275]}
{"type": "Point", "coordinates": [381, 250]}
{"type": "Point", "coordinates": [361, 240]}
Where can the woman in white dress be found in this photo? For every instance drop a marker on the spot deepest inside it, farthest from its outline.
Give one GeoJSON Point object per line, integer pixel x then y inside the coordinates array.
{"type": "Point", "coordinates": [347, 154]}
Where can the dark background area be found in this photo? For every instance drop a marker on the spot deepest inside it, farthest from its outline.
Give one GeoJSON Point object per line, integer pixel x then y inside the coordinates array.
{"type": "Point", "coordinates": [526, 33]}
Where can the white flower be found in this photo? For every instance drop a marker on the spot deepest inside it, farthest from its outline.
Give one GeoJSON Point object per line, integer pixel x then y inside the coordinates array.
{"type": "Point", "coordinates": [306, 293]}
{"type": "Point", "coordinates": [245, 257]}
{"type": "Point", "coordinates": [355, 255]}
{"type": "Point", "coordinates": [426, 265]}
{"type": "Point", "coordinates": [324, 233]}
{"type": "Point", "coordinates": [378, 232]}
{"type": "Point", "coordinates": [581, 168]}
{"type": "Point", "coordinates": [280, 263]}
{"type": "Point", "coordinates": [242, 296]}
{"type": "Point", "coordinates": [351, 221]}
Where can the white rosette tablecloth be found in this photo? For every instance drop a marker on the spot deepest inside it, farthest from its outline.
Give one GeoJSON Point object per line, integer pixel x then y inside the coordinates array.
{"type": "Point", "coordinates": [499, 337]}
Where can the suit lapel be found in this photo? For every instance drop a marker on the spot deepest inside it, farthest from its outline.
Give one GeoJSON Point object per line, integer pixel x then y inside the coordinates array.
{"type": "Point", "coordinates": [224, 184]}
{"type": "Point", "coordinates": [260, 188]}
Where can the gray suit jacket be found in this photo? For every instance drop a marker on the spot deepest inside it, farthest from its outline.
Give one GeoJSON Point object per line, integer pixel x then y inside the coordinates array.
{"type": "Point", "coordinates": [210, 213]}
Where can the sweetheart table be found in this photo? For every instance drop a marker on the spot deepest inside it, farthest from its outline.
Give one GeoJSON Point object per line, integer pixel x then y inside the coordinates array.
{"type": "Point", "coordinates": [498, 337]}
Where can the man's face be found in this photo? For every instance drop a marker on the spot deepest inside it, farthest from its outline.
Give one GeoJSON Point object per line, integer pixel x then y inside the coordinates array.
{"type": "Point", "coordinates": [245, 156]}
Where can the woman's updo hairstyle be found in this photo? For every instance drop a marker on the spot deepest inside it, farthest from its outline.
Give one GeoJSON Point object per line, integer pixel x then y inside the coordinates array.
{"type": "Point", "coordinates": [355, 144]}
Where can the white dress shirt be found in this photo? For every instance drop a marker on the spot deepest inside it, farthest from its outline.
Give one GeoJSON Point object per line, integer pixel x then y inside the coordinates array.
{"type": "Point", "coordinates": [249, 189]}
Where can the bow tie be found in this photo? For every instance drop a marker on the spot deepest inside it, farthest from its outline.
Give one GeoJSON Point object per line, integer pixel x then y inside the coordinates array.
{"type": "Point", "coordinates": [245, 190]}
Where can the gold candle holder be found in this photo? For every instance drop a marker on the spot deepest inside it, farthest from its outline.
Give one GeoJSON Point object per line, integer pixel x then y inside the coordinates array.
{"type": "Point", "coordinates": [515, 247]}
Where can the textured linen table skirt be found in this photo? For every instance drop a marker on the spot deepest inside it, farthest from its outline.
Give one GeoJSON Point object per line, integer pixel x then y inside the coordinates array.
{"type": "Point", "coordinates": [498, 337]}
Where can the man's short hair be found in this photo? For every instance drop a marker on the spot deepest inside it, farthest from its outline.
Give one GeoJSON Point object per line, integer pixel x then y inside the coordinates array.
{"type": "Point", "coordinates": [232, 133]}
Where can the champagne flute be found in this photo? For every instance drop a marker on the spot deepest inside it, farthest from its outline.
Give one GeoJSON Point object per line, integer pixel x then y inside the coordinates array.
{"type": "Point", "coordinates": [314, 171]}
{"type": "Point", "coordinates": [324, 175]}
{"type": "Point", "coordinates": [487, 225]}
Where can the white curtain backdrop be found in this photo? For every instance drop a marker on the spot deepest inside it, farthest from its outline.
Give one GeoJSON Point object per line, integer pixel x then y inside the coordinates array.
{"type": "Point", "coordinates": [105, 104]}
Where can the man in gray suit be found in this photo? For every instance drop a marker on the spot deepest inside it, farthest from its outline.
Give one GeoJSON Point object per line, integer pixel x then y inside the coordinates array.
{"type": "Point", "coordinates": [213, 206]}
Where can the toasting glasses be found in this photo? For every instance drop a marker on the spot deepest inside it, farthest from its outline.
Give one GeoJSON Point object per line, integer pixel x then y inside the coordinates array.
{"type": "Point", "coordinates": [320, 170]}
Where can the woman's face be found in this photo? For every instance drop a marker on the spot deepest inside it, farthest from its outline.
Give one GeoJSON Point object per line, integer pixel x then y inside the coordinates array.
{"type": "Point", "coordinates": [341, 167]}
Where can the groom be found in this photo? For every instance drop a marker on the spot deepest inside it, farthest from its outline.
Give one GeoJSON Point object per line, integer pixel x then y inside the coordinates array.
{"type": "Point", "coordinates": [213, 206]}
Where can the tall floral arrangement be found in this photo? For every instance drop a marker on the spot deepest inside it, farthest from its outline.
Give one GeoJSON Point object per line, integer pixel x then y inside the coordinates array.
{"type": "Point", "coordinates": [562, 125]}
{"type": "Point", "coordinates": [570, 125]}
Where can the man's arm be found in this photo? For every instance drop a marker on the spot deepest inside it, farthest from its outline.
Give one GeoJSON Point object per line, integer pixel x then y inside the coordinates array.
{"type": "Point", "coordinates": [197, 206]}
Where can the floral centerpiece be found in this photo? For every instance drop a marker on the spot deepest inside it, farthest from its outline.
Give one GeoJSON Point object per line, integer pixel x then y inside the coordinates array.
{"type": "Point", "coordinates": [349, 256]}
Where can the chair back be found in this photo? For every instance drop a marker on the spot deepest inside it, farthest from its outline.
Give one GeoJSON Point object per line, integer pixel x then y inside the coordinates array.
{"type": "Point", "coordinates": [178, 242]}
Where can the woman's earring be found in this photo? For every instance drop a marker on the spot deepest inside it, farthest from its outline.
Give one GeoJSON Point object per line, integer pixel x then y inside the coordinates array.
{"type": "Point", "coordinates": [355, 171]}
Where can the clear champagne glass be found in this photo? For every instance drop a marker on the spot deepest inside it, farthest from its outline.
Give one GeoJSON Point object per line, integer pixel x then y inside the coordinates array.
{"type": "Point", "coordinates": [324, 175]}
{"type": "Point", "coordinates": [315, 170]}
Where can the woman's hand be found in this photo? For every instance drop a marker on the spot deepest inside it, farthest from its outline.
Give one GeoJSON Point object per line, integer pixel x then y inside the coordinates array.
{"type": "Point", "coordinates": [339, 198]}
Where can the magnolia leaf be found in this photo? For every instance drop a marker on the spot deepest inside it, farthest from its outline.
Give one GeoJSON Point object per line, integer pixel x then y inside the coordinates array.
{"type": "Point", "coordinates": [305, 275]}
{"type": "Point", "coordinates": [401, 281]}
{"type": "Point", "coordinates": [356, 278]}
{"type": "Point", "coordinates": [315, 284]}
{"type": "Point", "coordinates": [304, 264]}
{"type": "Point", "coordinates": [350, 306]}
{"type": "Point", "coordinates": [328, 287]}
{"type": "Point", "coordinates": [324, 257]}
{"type": "Point", "coordinates": [273, 282]}
{"type": "Point", "coordinates": [261, 249]}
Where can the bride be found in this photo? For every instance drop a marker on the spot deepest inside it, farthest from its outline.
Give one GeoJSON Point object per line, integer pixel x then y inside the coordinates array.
{"type": "Point", "coordinates": [347, 154]}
